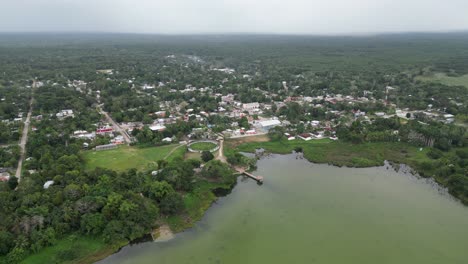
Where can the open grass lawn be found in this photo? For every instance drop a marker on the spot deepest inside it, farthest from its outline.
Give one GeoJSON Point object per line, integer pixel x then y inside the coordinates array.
{"type": "Point", "coordinates": [72, 249]}
{"type": "Point", "coordinates": [125, 157]}
{"type": "Point", "coordinates": [444, 79]}
{"type": "Point", "coordinates": [192, 155]}
{"type": "Point", "coordinates": [203, 146]}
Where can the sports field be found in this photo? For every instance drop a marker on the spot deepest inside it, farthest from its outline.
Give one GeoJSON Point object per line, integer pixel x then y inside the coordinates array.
{"type": "Point", "coordinates": [125, 157]}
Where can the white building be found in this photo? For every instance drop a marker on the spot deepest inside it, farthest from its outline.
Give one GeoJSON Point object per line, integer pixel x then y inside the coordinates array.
{"type": "Point", "coordinates": [147, 87]}
{"type": "Point", "coordinates": [250, 106]}
{"type": "Point", "coordinates": [65, 113]}
{"type": "Point", "coordinates": [269, 124]}
{"type": "Point", "coordinates": [47, 184]}
{"type": "Point", "coordinates": [227, 98]}
{"type": "Point", "coordinates": [157, 128]}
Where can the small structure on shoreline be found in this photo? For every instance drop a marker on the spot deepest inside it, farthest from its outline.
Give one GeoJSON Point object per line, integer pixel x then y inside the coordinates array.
{"type": "Point", "coordinates": [259, 179]}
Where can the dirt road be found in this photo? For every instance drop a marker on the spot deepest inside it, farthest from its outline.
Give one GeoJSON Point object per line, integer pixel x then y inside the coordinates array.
{"type": "Point", "coordinates": [23, 141]}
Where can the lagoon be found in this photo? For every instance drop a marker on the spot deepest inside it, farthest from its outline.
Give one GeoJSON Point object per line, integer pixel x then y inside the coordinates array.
{"type": "Point", "coordinates": [316, 213]}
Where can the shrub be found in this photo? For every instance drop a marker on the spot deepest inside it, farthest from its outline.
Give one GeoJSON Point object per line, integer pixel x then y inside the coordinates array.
{"type": "Point", "coordinates": [206, 156]}
{"type": "Point", "coordinates": [434, 153]}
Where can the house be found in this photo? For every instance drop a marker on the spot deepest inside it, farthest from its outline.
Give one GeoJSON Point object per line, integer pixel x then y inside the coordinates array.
{"type": "Point", "coordinates": [305, 136]}
{"type": "Point", "coordinates": [37, 84]}
{"type": "Point", "coordinates": [225, 70]}
{"type": "Point", "coordinates": [105, 71]}
{"type": "Point", "coordinates": [289, 136]}
{"type": "Point", "coordinates": [318, 135]}
{"type": "Point", "coordinates": [84, 134]}
{"type": "Point", "coordinates": [118, 140]}
{"type": "Point", "coordinates": [227, 98]}
{"type": "Point", "coordinates": [4, 175]}
{"type": "Point", "coordinates": [251, 132]}
{"type": "Point", "coordinates": [250, 106]}
{"type": "Point", "coordinates": [160, 113]}
{"type": "Point", "coordinates": [147, 87]}
{"type": "Point", "coordinates": [47, 184]}
{"type": "Point", "coordinates": [358, 113]}
{"type": "Point", "coordinates": [4, 178]}
{"type": "Point", "coordinates": [104, 130]}
{"type": "Point", "coordinates": [167, 139]}
{"type": "Point", "coordinates": [269, 124]}
{"type": "Point", "coordinates": [157, 127]}
{"type": "Point", "coordinates": [65, 113]}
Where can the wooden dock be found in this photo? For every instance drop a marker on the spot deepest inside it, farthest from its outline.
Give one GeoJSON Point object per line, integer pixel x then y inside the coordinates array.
{"type": "Point", "coordinates": [259, 179]}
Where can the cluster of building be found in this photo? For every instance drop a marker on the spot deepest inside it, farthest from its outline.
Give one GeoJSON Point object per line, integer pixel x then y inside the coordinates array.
{"type": "Point", "coordinates": [258, 114]}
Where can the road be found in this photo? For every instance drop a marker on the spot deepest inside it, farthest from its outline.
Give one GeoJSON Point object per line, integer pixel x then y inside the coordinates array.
{"type": "Point", "coordinates": [115, 126]}
{"type": "Point", "coordinates": [24, 140]}
{"type": "Point", "coordinates": [172, 151]}
{"type": "Point", "coordinates": [221, 156]}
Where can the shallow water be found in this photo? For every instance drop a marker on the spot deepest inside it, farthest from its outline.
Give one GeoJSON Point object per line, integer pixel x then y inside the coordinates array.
{"type": "Point", "coordinates": [310, 213]}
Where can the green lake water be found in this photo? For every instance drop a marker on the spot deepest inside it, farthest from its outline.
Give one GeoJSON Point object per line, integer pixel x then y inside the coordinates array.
{"type": "Point", "coordinates": [310, 213]}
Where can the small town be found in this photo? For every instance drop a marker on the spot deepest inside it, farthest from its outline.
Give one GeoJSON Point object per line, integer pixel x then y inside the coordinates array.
{"type": "Point", "coordinates": [231, 148]}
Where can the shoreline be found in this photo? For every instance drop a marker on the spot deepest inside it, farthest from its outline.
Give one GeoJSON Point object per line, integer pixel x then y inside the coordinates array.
{"type": "Point", "coordinates": [359, 156]}
{"type": "Point", "coordinates": [165, 232]}
{"type": "Point", "coordinates": [398, 167]}
{"type": "Point", "coordinates": [162, 234]}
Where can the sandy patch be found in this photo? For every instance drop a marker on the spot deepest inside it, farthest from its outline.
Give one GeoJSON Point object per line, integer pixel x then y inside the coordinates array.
{"type": "Point", "coordinates": [162, 234]}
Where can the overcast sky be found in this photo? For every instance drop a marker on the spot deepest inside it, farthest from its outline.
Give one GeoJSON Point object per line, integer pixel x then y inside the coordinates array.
{"type": "Point", "coordinates": [234, 16]}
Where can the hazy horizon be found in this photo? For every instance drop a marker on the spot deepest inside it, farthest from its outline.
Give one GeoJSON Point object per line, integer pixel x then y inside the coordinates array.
{"type": "Point", "coordinates": [368, 34]}
{"type": "Point", "coordinates": [179, 17]}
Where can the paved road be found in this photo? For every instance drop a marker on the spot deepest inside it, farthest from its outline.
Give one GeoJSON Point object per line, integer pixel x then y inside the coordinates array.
{"type": "Point", "coordinates": [24, 140]}
{"type": "Point", "coordinates": [116, 126]}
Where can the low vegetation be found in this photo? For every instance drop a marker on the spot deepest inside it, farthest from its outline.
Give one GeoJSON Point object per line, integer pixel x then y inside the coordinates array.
{"type": "Point", "coordinates": [445, 79]}
{"type": "Point", "coordinates": [73, 249]}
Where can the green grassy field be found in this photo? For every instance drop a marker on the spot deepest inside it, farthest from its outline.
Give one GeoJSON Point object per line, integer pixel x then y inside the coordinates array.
{"type": "Point", "coordinates": [444, 79]}
{"type": "Point", "coordinates": [73, 249]}
{"type": "Point", "coordinates": [203, 146]}
{"type": "Point", "coordinates": [343, 154]}
{"type": "Point", "coordinates": [125, 157]}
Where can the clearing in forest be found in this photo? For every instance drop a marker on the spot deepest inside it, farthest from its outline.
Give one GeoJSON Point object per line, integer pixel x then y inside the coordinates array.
{"type": "Point", "coordinates": [444, 79]}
